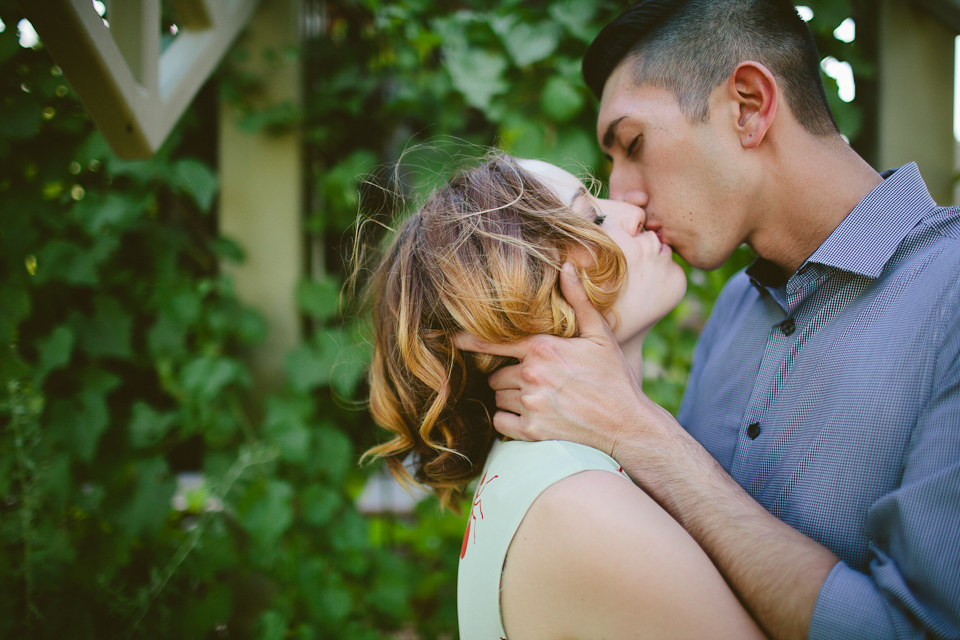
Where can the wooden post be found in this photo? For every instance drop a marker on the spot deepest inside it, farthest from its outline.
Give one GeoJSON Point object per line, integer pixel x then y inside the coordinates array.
{"type": "Point", "coordinates": [916, 56]}
{"type": "Point", "coordinates": [261, 195]}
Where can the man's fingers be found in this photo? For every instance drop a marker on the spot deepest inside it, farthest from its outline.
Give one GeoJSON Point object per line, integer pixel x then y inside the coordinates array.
{"type": "Point", "coordinates": [506, 378]}
{"type": "Point", "coordinates": [509, 400]}
{"type": "Point", "coordinates": [509, 424]}
{"type": "Point", "coordinates": [590, 321]}
{"type": "Point", "coordinates": [467, 342]}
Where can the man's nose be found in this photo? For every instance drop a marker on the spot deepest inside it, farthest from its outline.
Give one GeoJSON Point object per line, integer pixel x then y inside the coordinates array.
{"type": "Point", "coordinates": [626, 188]}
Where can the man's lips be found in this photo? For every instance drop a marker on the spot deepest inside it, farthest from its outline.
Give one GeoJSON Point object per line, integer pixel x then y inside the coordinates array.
{"type": "Point", "coordinates": [658, 232]}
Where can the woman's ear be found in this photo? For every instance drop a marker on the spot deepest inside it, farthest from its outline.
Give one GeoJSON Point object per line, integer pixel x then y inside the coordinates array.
{"type": "Point", "coordinates": [754, 89]}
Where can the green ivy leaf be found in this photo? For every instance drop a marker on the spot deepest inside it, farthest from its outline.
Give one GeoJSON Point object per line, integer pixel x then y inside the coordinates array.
{"type": "Point", "coordinates": [285, 427]}
{"type": "Point", "coordinates": [574, 149]}
{"type": "Point", "coordinates": [227, 249]}
{"type": "Point", "coordinates": [196, 178]}
{"type": "Point", "coordinates": [476, 74]}
{"type": "Point", "coordinates": [82, 420]}
{"type": "Point", "coordinates": [277, 119]}
{"type": "Point", "coordinates": [142, 172]}
{"type": "Point", "coordinates": [211, 608]}
{"type": "Point", "coordinates": [829, 13]}
{"type": "Point", "coordinates": [66, 262]}
{"type": "Point", "coordinates": [14, 308]}
{"type": "Point", "coordinates": [307, 368]}
{"type": "Point", "coordinates": [115, 210]}
{"type": "Point", "coordinates": [349, 532]}
{"type": "Point", "coordinates": [273, 626]}
{"type": "Point", "coordinates": [148, 508]}
{"type": "Point", "coordinates": [576, 16]}
{"type": "Point", "coordinates": [340, 188]}
{"type": "Point", "coordinates": [21, 117]}
{"type": "Point", "coordinates": [95, 147]}
{"type": "Point", "coordinates": [560, 99]}
{"type": "Point", "coordinates": [250, 326]}
{"type": "Point", "coordinates": [55, 351]}
{"type": "Point", "coordinates": [528, 43]}
{"type": "Point", "coordinates": [107, 333]}
{"type": "Point", "coordinates": [337, 602]}
{"type": "Point", "coordinates": [351, 365]}
{"type": "Point", "coordinates": [390, 593]}
{"type": "Point", "coordinates": [319, 503]}
{"type": "Point", "coordinates": [148, 426]}
{"type": "Point", "coordinates": [522, 137]}
{"type": "Point", "coordinates": [205, 377]}
{"type": "Point", "coordinates": [55, 478]}
{"type": "Point", "coordinates": [270, 512]}
{"type": "Point", "coordinates": [185, 306]}
{"type": "Point", "coordinates": [319, 298]}
{"type": "Point", "coordinates": [333, 455]}
{"type": "Point", "coordinates": [166, 336]}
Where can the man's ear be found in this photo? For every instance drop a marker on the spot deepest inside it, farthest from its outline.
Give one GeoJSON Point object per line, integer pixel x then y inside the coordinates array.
{"type": "Point", "coordinates": [755, 90]}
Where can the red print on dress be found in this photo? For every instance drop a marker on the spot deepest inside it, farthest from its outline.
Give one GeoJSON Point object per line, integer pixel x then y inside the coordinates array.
{"type": "Point", "coordinates": [476, 505]}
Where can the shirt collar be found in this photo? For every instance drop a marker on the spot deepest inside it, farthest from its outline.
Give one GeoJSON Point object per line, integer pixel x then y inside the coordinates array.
{"type": "Point", "coordinates": [868, 236]}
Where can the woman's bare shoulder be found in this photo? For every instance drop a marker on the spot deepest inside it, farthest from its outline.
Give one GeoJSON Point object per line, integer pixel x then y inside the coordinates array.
{"type": "Point", "coordinates": [596, 557]}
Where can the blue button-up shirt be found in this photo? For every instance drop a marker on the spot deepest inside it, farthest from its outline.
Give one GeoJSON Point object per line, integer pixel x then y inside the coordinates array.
{"type": "Point", "coordinates": [833, 397]}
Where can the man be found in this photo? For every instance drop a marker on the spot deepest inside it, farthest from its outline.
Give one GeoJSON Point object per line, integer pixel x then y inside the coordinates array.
{"type": "Point", "coordinates": [818, 461]}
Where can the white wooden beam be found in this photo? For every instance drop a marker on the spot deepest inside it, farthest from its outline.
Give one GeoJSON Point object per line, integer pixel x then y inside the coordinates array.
{"type": "Point", "coordinates": [135, 94]}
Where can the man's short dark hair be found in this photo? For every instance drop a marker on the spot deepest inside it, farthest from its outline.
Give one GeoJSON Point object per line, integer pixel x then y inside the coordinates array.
{"type": "Point", "coordinates": [690, 47]}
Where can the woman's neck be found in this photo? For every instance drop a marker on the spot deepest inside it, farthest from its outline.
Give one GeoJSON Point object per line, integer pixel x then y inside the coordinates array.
{"type": "Point", "coordinates": [633, 354]}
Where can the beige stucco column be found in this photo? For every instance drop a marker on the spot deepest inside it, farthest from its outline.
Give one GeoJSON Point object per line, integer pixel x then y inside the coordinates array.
{"type": "Point", "coordinates": [916, 94]}
{"type": "Point", "coordinates": [261, 193]}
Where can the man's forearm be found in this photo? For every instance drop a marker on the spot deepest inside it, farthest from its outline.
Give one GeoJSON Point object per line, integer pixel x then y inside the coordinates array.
{"type": "Point", "coordinates": [776, 571]}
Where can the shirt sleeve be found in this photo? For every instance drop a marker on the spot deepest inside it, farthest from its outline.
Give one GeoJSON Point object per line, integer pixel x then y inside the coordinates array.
{"type": "Point", "coordinates": [912, 588]}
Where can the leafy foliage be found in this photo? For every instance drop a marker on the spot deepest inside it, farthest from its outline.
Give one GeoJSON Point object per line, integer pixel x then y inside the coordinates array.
{"type": "Point", "coordinates": [146, 489]}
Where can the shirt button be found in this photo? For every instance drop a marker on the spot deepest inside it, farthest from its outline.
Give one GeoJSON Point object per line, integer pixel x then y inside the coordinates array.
{"type": "Point", "coordinates": [787, 327]}
{"type": "Point", "coordinates": [754, 430]}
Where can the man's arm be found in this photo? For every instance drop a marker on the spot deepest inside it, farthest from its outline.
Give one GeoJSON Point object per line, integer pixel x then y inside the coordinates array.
{"type": "Point", "coordinates": [582, 390]}
{"type": "Point", "coordinates": [913, 586]}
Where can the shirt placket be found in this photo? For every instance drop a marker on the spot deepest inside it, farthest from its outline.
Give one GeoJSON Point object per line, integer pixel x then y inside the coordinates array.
{"type": "Point", "coordinates": [774, 369]}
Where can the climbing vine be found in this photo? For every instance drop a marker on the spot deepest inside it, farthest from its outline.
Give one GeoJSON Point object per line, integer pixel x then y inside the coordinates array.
{"type": "Point", "coordinates": [146, 488]}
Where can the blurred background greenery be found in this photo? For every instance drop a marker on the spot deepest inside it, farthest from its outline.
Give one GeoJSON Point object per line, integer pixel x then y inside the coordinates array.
{"type": "Point", "coordinates": [146, 490]}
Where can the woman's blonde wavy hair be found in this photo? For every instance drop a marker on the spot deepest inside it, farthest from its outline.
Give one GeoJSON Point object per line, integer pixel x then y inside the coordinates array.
{"type": "Point", "coordinates": [481, 256]}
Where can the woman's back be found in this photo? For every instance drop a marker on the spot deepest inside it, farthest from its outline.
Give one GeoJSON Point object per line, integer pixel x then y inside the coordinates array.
{"type": "Point", "coordinates": [544, 556]}
{"type": "Point", "coordinates": [515, 475]}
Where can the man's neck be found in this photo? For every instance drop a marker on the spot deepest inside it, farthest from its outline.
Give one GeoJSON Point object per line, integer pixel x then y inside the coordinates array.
{"type": "Point", "coordinates": [807, 197]}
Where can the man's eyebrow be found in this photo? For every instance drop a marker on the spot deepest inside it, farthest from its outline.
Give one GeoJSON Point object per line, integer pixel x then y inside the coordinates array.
{"type": "Point", "coordinates": [611, 131]}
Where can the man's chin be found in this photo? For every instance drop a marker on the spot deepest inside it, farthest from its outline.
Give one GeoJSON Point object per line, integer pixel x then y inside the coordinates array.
{"type": "Point", "coordinates": [701, 262]}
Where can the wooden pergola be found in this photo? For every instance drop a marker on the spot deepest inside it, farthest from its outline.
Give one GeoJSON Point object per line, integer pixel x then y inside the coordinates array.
{"type": "Point", "coordinates": [135, 94]}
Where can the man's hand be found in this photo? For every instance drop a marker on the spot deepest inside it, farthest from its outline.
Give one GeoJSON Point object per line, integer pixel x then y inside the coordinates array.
{"type": "Point", "coordinates": [583, 390]}
{"type": "Point", "coordinates": [578, 389]}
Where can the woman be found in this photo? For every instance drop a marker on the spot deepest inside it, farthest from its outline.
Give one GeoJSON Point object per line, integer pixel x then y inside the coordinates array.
{"type": "Point", "coordinates": [544, 548]}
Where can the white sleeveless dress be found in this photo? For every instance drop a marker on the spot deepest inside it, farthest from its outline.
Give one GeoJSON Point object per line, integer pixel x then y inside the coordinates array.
{"type": "Point", "coordinates": [515, 474]}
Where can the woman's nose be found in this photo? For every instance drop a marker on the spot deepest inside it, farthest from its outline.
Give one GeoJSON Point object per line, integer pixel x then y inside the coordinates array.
{"type": "Point", "coordinates": [634, 219]}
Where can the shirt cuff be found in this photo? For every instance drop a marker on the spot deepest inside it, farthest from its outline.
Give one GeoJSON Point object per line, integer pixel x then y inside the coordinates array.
{"type": "Point", "coordinates": [849, 607]}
